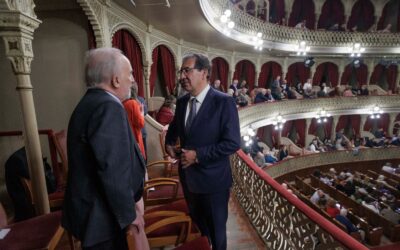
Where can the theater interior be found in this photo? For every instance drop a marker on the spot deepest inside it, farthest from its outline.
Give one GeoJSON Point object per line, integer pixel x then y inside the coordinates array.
{"type": "Point", "coordinates": [339, 134]}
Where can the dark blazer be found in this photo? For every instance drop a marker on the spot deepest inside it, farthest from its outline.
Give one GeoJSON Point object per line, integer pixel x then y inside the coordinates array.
{"type": "Point", "coordinates": [106, 170]}
{"type": "Point", "coordinates": [214, 134]}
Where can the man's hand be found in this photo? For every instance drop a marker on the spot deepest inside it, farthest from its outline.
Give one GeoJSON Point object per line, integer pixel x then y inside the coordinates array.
{"type": "Point", "coordinates": [170, 151]}
{"type": "Point", "coordinates": [136, 225]}
{"type": "Point", "coordinates": [188, 157]}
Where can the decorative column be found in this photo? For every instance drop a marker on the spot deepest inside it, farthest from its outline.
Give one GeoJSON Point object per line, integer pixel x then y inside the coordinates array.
{"type": "Point", "coordinates": [17, 25]}
{"type": "Point", "coordinates": [146, 75]}
{"type": "Point", "coordinates": [363, 121]}
{"type": "Point", "coordinates": [370, 70]}
{"type": "Point", "coordinates": [334, 124]}
{"type": "Point", "coordinates": [392, 118]}
{"type": "Point", "coordinates": [256, 79]}
{"type": "Point", "coordinates": [340, 72]}
{"type": "Point", "coordinates": [307, 138]}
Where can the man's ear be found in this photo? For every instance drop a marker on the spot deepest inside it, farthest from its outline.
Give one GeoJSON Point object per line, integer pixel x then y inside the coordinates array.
{"type": "Point", "coordinates": [115, 81]}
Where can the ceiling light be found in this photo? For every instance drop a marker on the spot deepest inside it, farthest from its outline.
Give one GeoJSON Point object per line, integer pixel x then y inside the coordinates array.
{"type": "Point", "coordinates": [231, 24]}
{"type": "Point", "coordinates": [223, 19]}
{"type": "Point", "coordinates": [228, 13]}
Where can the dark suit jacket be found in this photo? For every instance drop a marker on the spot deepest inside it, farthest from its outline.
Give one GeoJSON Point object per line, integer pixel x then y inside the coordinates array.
{"type": "Point", "coordinates": [214, 134]}
{"type": "Point", "coordinates": [106, 170]}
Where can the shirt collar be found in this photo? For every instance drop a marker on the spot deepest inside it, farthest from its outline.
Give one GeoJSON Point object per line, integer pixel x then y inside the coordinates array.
{"type": "Point", "coordinates": [200, 97]}
{"type": "Point", "coordinates": [114, 96]}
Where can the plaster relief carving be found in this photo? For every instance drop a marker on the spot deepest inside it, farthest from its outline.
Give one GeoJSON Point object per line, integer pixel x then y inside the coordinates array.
{"type": "Point", "coordinates": [24, 6]}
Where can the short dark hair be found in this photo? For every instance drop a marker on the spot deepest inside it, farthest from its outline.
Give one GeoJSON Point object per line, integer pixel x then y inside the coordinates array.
{"type": "Point", "coordinates": [201, 62]}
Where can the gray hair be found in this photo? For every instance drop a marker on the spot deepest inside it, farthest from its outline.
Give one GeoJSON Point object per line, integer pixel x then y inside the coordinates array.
{"type": "Point", "coordinates": [201, 62]}
{"type": "Point", "coordinates": [101, 64]}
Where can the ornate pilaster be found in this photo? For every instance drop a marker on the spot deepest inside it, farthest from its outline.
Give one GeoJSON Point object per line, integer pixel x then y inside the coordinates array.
{"type": "Point", "coordinates": [370, 70]}
{"type": "Point", "coordinates": [256, 78]}
{"type": "Point", "coordinates": [334, 124]}
{"type": "Point", "coordinates": [308, 123]}
{"type": "Point", "coordinates": [146, 75]}
{"type": "Point", "coordinates": [17, 24]}
{"type": "Point", "coordinates": [363, 121]}
{"type": "Point", "coordinates": [392, 118]}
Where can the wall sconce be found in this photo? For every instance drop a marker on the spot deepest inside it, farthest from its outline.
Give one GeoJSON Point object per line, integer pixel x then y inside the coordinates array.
{"type": "Point", "coordinates": [375, 112]}
{"type": "Point", "coordinates": [356, 50]}
{"type": "Point", "coordinates": [322, 116]}
{"type": "Point", "coordinates": [302, 48]}
{"type": "Point", "coordinates": [278, 122]}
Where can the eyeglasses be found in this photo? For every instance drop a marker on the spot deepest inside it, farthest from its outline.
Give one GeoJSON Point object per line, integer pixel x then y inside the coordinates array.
{"type": "Point", "coordinates": [185, 70]}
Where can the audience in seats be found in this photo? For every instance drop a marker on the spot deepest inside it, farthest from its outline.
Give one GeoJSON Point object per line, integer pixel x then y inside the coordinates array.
{"type": "Point", "coordinates": [317, 196]}
{"type": "Point", "coordinates": [243, 99]}
{"type": "Point", "coordinates": [347, 92]}
{"type": "Point", "coordinates": [234, 86]}
{"type": "Point", "coordinates": [331, 208]}
{"type": "Point", "coordinates": [217, 85]}
{"type": "Point", "coordinates": [243, 84]}
{"type": "Point", "coordinates": [276, 88]}
{"type": "Point", "coordinates": [342, 218]}
{"type": "Point", "coordinates": [301, 25]}
{"type": "Point", "coordinates": [166, 113]}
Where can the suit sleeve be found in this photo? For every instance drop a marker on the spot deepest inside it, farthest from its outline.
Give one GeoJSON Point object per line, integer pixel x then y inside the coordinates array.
{"type": "Point", "coordinates": [110, 141]}
{"type": "Point", "coordinates": [229, 141]}
{"type": "Point", "coordinates": [172, 133]}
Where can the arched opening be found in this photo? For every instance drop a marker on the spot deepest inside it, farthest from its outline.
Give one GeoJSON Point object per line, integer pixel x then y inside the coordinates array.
{"type": "Point", "coordinates": [163, 72]}
{"type": "Point", "coordinates": [269, 71]}
{"type": "Point", "coordinates": [127, 43]}
{"type": "Point", "coordinates": [245, 70]}
{"type": "Point", "coordinates": [220, 71]}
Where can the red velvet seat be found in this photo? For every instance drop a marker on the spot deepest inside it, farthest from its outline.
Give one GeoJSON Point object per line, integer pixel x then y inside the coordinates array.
{"type": "Point", "coordinates": [42, 232]}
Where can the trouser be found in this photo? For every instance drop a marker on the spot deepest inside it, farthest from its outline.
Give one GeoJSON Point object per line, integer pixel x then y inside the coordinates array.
{"type": "Point", "coordinates": [210, 213]}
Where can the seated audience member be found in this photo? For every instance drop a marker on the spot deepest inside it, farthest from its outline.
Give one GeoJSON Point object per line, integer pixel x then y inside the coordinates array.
{"type": "Point", "coordinates": [269, 96]}
{"type": "Point", "coordinates": [388, 168]}
{"type": "Point", "coordinates": [270, 158]}
{"type": "Point", "coordinates": [276, 88]}
{"type": "Point", "coordinates": [313, 147]}
{"type": "Point", "coordinates": [234, 86]}
{"type": "Point", "coordinates": [301, 25]}
{"type": "Point", "coordinates": [351, 228]}
{"type": "Point", "coordinates": [284, 88]}
{"type": "Point", "coordinates": [390, 214]}
{"type": "Point", "coordinates": [243, 84]}
{"type": "Point", "coordinates": [331, 208]}
{"type": "Point", "coordinates": [283, 152]}
{"type": "Point", "coordinates": [317, 195]}
{"type": "Point", "coordinates": [395, 139]}
{"type": "Point", "coordinates": [371, 204]}
{"type": "Point", "coordinates": [328, 144]}
{"type": "Point", "coordinates": [349, 188]}
{"type": "Point", "coordinates": [364, 90]}
{"type": "Point", "coordinates": [322, 92]}
{"type": "Point", "coordinates": [381, 179]}
{"type": "Point", "coordinates": [166, 113]}
{"type": "Point", "coordinates": [217, 85]}
{"type": "Point", "coordinates": [243, 99]}
{"type": "Point", "coordinates": [260, 96]}
{"type": "Point", "coordinates": [387, 29]}
{"type": "Point", "coordinates": [259, 159]}
{"type": "Point", "coordinates": [291, 93]}
{"type": "Point", "coordinates": [299, 88]}
{"type": "Point", "coordinates": [334, 27]}
{"type": "Point", "coordinates": [347, 92]}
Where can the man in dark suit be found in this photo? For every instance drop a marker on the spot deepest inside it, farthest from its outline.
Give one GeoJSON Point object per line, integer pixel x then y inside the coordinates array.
{"type": "Point", "coordinates": [106, 169]}
{"type": "Point", "coordinates": [207, 125]}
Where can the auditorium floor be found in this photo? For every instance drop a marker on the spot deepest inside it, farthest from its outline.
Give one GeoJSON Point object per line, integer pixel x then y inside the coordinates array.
{"type": "Point", "coordinates": [241, 234]}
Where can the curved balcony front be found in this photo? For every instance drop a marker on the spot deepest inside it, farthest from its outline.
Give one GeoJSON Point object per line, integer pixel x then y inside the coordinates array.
{"type": "Point", "coordinates": [285, 38]}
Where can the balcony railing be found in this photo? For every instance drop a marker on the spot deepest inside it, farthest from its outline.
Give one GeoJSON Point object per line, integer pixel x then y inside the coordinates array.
{"type": "Point", "coordinates": [281, 219]}
{"type": "Point", "coordinates": [262, 114]}
{"type": "Point", "coordinates": [283, 37]}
